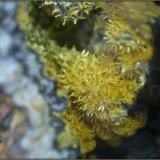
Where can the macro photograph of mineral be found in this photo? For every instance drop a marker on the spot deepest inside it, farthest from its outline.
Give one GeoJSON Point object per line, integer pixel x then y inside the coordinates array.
{"type": "Point", "coordinates": [79, 79]}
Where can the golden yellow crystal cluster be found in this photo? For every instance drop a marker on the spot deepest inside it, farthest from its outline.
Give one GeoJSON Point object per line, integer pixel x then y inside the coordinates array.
{"type": "Point", "coordinates": [68, 11]}
{"type": "Point", "coordinates": [99, 84]}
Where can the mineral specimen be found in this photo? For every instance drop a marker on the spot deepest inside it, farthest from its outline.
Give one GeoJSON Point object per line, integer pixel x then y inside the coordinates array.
{"type": "Point", "coordinates": [100, 86]}
{"type": "Point", "coordinates": [99, 54]}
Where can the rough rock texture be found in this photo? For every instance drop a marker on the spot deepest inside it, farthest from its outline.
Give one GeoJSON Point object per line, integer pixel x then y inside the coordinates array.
{"type": "Point", "coordinates": [26, 127]}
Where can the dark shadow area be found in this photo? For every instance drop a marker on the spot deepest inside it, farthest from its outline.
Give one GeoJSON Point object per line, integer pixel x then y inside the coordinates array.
{"type": "Point", "coordinates": [157, 2]}
{"type": "Point", "coordinates": [70, 35]}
